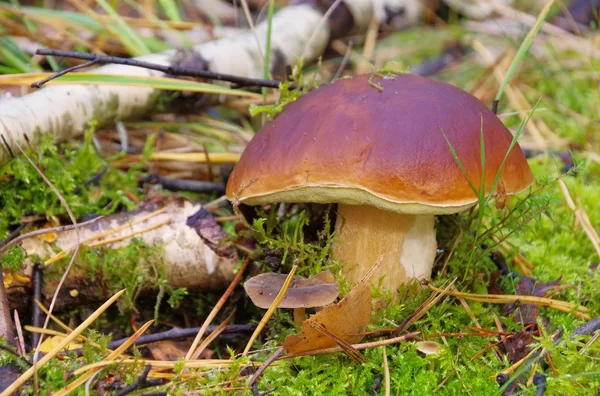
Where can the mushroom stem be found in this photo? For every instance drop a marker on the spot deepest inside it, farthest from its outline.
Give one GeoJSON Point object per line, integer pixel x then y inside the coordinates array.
{"type": "Point", "coordinates": [299, 315]}
{"type": "Point", "coordinates": [406, 241]}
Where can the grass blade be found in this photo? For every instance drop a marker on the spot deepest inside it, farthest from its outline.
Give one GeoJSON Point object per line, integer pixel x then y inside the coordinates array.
{"type": "Point", "coordinates": [130, 39]}
{"type": "Point", "coordinates": [524, 47]}
{"type": "Point", "coordinates": [482, 185]}
{"type": "Point", "coordinates": [266, 66]}
{"type": "Point", "coordinates": [170, 8]}
{"type": "Point", "coordinates": [163, 83]}
{"type": "Point", "coordinates": [460, 164]}
{"type": "Point", "coordinates": [516, 136]}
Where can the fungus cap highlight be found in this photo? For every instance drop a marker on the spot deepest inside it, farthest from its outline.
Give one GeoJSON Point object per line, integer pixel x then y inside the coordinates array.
{"type": "Point", "coordinates": [350, 143]}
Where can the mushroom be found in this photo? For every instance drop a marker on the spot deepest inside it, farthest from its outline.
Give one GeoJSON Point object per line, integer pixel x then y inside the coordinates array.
{"type": "Point", "coordinates": [428, 347]}
{"type": "Point", "coordinates": [318, 291]}
{"type": "Point", "coordinates": [376, 146]}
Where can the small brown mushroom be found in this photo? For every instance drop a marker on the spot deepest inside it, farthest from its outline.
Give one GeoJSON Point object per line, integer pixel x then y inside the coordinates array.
{"type": "Point", "coordinates": [318, 291]}
{"type": "Point", "coordinates": [428, 347]}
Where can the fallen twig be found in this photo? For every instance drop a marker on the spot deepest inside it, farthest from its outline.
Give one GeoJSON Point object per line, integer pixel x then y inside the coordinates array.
{"type": "Point", "coordinates": [185, 185]}
{"type": "Point", "coordinates": [359, 347]}
{"type": "Point", "coordinates": [141, 383]}
{"type": "Point", "coordinates": [6, 245]}
{"type": "Point", "coordinates": [175, 334]}
{"type": "Point", "coordinates": [172, 70]}
{"type": "Point", "coordinates": [374, 388]}
{"type": "Point", "coordinates": [37, 279]}
{"type": "Point", "coordinates": [264, 366]}
{"type": "Point", "coordinates": [451, 54]}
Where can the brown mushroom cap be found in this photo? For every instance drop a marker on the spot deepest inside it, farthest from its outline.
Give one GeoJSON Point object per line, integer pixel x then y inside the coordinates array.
{"type": "Point", "coordinates": [317, 291]}
{"type": "Point", "coordinates": [347, 142]}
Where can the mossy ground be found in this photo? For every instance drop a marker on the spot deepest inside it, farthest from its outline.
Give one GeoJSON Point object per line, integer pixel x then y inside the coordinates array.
{"type": "Point", "coordinates": [549, 240]}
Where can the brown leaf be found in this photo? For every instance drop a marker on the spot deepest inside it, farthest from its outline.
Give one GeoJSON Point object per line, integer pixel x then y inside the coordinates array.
{"type": "Point", "coordinates": [517, 346]}
{"type": "Point", "coordinates": [352, 352]}
{"type": "Point", "coordinates": [347, 320]}
{"type": "Point", "coordinates": [209, 231]}
{"type": "Point", "coordinates": [171, 350]}
{"type": "Point", "coordinates": [500, 196]}
{"type": "Point", "coordinates": [527, 286]}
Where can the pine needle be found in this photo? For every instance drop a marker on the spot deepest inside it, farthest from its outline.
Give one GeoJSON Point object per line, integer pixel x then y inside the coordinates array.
{"type": "Point", "coordinates": [110, 358]}
{"type": "Point", "coordinates": [562, 306]}
{"type": "Point", "coordinates": [271, 310]}
{"type": "Point", "coordinates": [91, 319]}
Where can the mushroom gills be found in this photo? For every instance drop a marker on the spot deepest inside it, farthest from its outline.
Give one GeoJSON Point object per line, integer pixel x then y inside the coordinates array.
{"type": "Point", "coordinates": [365, 233]}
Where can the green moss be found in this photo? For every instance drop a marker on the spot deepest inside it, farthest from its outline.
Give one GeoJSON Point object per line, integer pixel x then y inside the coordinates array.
{"type": "Point", "coordinates": [287, 94]}
{"type": "Point", "coordinates": [68, 167]}
{"type": "Point", "coordinates": [13, 259]}
{"type": "Point", "coordinates": [135, 267]}
{"type": "Point", "coordinates": [287, 238]}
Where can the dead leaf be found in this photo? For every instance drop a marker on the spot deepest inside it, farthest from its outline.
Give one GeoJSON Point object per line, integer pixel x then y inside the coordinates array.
{"type": "Point", "coordinates": [51, 342]}
{"type": "Point", "coordinates": [527, 286]}
{"type": "Point", "coordinates": [171, 350]}
{"type": "Point", "coordinates": [517, 346]}
{"type": "Point", "coordinates": [209, 231]}
{"type": "Point", "coordinates": [352, 352]}
{"type": "Point", "coordinates": [347, 320]}
{"type": "Point", "coordinates": [500, 195]}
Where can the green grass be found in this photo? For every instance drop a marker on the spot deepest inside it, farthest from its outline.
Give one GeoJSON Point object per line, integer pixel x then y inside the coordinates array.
{"type": "Point", "coordinates": [541, 227]}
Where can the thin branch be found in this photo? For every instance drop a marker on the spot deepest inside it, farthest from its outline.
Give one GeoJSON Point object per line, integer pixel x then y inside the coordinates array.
{"type": "Point", "coordinates": [587, 328]}
{"type": "Point", "coordinates": [141, 382]}
{"type": "Point", "coordinates": [171, 70]}
{"type": "Point", "coordinates": [13, 234]}
{"type": "Point", "coordinates": [7, 146]}
{"type": "Point", "coordinates": [196, 186]}
{"type": "Point", "coordinates": [266, 364]}
{"type": "Point", "coordinates": [63, 72]}
{"type": "Point", "coordinates": [345, 60]}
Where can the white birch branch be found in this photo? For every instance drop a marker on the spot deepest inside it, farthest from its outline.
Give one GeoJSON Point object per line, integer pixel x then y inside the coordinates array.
{"type": "Point", "coordinates": [191, 255]}
{"type": "Point", "coordinates": [65, 110]}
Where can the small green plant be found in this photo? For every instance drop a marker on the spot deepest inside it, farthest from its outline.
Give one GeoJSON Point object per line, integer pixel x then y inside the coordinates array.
{"type": "Point", "coordinates": [287, 93]}
{"type": "Point", "coordinates": [388, 70]}
{"type": "Point", "coordinates": [288, 239]}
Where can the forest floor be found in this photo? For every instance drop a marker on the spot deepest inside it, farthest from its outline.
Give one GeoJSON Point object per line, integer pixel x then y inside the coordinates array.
{"type": "Point", "coordinates": [542, 244]}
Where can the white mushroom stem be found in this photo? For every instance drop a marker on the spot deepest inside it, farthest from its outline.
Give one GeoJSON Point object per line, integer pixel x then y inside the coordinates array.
{"type": "Point", "coordinates": [406, 242]}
